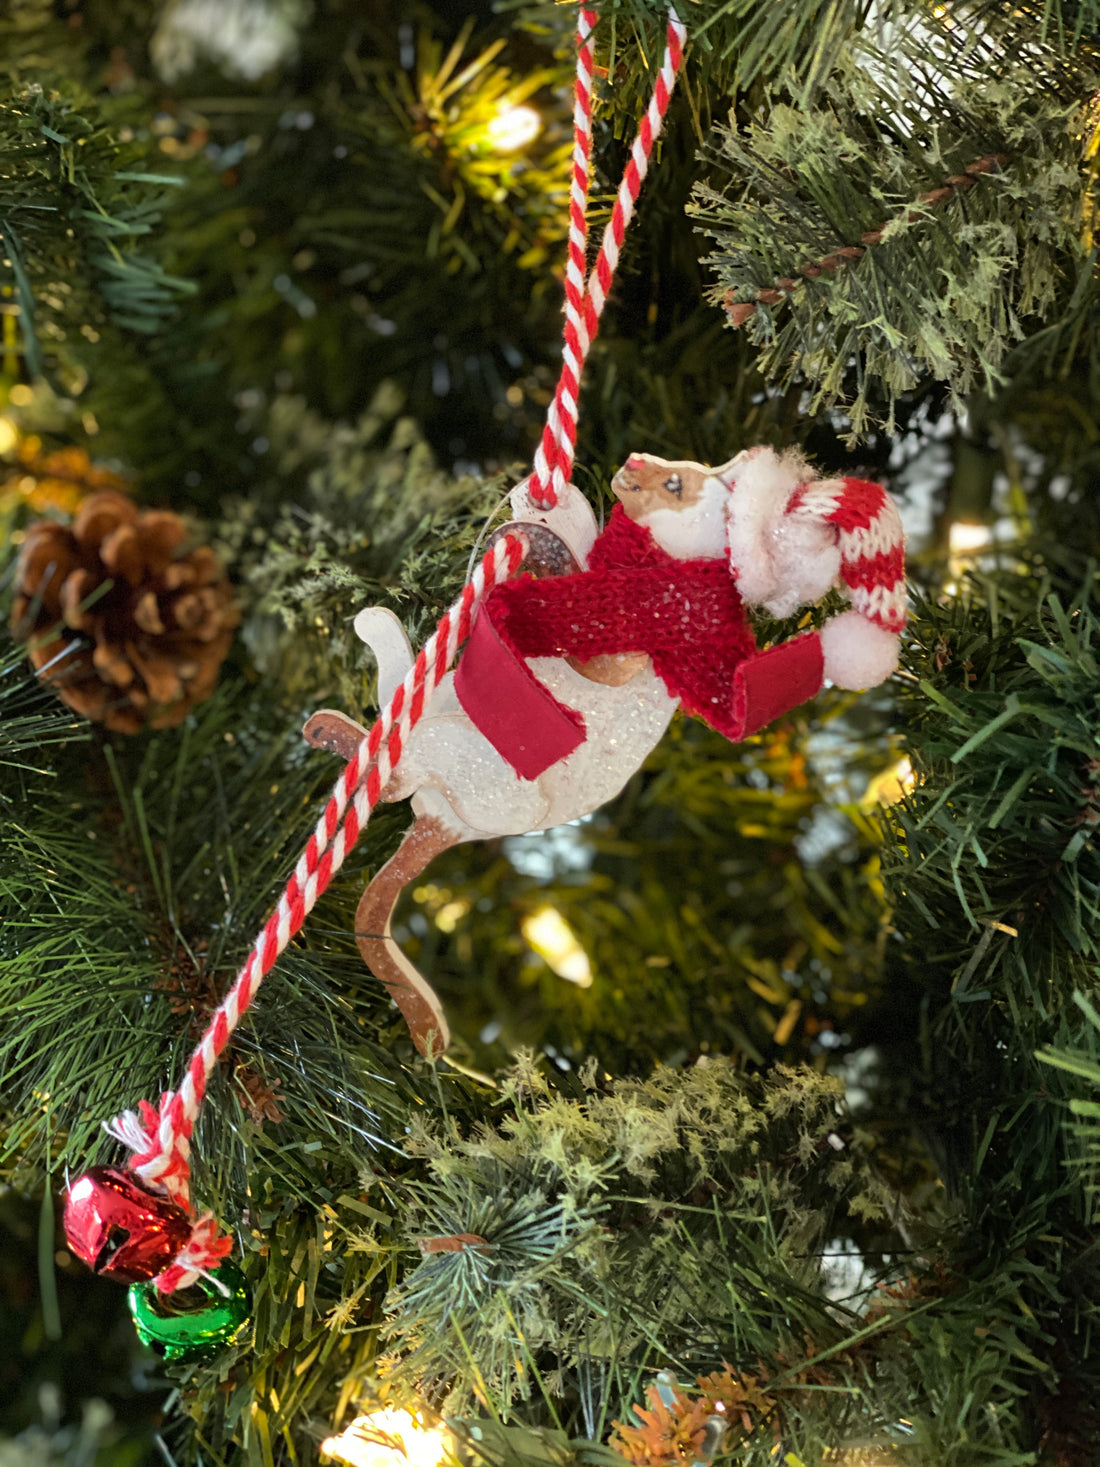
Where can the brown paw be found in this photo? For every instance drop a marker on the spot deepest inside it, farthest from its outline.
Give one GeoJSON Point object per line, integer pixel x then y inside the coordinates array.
{"type": "Point", "coordinates": [336, 732]}
{"type": "Point", "coordinates": [613, 669]}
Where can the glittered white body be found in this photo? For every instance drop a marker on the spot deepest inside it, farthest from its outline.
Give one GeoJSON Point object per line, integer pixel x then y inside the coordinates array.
{"type": "Point", "coordinates": [463, 790]}
{"type": "Point", "coordinates": [452, 771]}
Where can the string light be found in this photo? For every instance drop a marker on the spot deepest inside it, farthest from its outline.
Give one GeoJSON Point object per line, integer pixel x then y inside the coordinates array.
{"type": "Point", "coordinates": [387, 1438]}
{"type": "Point", "coordinates": [513, 128]}
{"type": "Point", "coordinates": [966, 538]}
{"type": "Point", "coordinates": [891, 785]}
{"type": "Point", "coordinates": [555, 941]}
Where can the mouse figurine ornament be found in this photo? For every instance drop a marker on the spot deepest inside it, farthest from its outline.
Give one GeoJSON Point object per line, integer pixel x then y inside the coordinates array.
{"type": "Point", "coordinates": [573, 671]}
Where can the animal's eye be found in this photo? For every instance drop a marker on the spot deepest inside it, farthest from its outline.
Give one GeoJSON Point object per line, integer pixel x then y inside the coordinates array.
{"type": "Point", "coordinates": [674, 486]}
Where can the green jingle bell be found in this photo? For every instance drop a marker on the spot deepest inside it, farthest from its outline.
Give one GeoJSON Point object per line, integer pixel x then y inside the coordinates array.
{"type": "Point", "coordinates": [192, 1322]}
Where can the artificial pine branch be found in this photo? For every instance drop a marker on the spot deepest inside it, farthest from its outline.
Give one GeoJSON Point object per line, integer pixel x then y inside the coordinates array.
{"type": "Point", "coordinates": [1083, 1062]}
{"type": "Point", "coordinates": [112, 885]}
{"type": "Point", "coordinates": [373, 520]}
{"type": "Point", "coordinates": [994, 881]}
{"type": "Point", "coordinates": [90, 227]}
{"type": "Point", "coordinates": [952, 287]}
{"type": "Point", "coordinates": [721, 1176]}
{"type": "Point", "coordinates": [740, 311]}
{"type": "Point", "coordinates": [30, 719]}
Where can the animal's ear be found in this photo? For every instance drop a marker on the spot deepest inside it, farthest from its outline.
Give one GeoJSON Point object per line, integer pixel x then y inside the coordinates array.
{"type": "Point", "coordinates": [728, 472]}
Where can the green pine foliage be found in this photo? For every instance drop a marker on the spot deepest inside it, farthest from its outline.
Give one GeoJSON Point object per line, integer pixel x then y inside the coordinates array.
{"type": "Point", "coordinates": [79, 208]}
{"type": "Point", "coordinates": [823, 1123]}
{"type": "Point", "coordinates": [993, 868]}
{"type": "Point", "coordinates": [612, 1218]}
{"type": "Point", "coordinates": [133, 959]}
{"type": "Point", "coordinates": [1082, 1062]}
{"type": "Point", "coordinates": [369, 519]}
{"type": "Point", "coordinates": [30, 719]}
{"type": "Point", "coordinates": [707, 869]}
{"type": "Point", "coordinates": [1003, 256]}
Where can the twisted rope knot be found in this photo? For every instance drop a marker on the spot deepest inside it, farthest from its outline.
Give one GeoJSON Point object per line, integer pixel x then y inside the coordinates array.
{"type": "Point", "coordinates": [201, 1254]}
{"type": "Point", "coordinates": [165, 1167]}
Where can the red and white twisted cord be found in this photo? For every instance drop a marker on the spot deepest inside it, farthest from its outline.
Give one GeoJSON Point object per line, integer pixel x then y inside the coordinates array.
{"type": "Point", "coordinates": [554, 459]}
{"type": "Point", "coordinates": [161, 1137]}
{"type": "Point", "coordinates": [547, 464]}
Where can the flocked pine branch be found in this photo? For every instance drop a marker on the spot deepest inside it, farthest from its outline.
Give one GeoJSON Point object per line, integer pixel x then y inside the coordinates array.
{"type": "Point", "coordinates": [950, 286]}
{"type": "Point", "coordinates": [717, 1175]}
{"type": "Point", "coordinates": [372, 519]}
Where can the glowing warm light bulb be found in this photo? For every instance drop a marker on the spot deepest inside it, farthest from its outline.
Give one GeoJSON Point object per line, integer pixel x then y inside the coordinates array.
{"type": "Point", "coordinates": [965, 542]}
{"type": "Point", "coordinates": [513, 128]}
{"type": "Point", "coordinates": [966, 538]}
{"type": "Point", "coordinates": [387, 1438]}
{"type": "Point", "coordinates": [9, 435]}
{"type": "Point", "coordinates": [554, 940]}
{"type": "Point", "coordinates": [891, 785]}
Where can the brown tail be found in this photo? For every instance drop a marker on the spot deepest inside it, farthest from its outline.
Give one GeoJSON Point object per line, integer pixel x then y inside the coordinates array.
{"type": "Point", "coordinates": [413, 994]}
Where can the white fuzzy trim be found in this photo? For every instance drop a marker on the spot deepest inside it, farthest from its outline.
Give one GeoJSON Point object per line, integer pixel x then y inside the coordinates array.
{"type": "Point", "coordinates": [760, 485]}
{"type": "Point", "coordinates": [781, 561]}
{"type": "Point", "coordinates": [858, 654]}
{"type": "Point", "coordinates": [806, 559]}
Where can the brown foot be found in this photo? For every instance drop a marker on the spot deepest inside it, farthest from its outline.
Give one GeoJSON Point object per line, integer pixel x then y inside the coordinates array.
{"type": "Point", "coordinates": [336, 732]}
{"type": "Point", "coordinates": [339, 734]}
{"type": "Point", "coordinates": [413, 994]}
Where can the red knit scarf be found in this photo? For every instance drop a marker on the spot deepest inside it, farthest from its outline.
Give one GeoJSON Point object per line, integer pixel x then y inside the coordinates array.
{"type": "Point", "coordinates": [635, 597]}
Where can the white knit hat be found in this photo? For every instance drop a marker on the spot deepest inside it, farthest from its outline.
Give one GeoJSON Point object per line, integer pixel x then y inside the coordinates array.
{"type": "Point", "coordinates": [792, 537]}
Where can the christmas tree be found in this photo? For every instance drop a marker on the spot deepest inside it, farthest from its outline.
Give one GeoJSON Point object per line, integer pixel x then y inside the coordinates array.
{"type": "Point", "coordinates": [768, 1127]}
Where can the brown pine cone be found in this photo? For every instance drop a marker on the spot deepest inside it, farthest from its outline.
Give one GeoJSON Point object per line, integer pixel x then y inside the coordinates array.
{"type": "Point", "coordinates": [127, 632]}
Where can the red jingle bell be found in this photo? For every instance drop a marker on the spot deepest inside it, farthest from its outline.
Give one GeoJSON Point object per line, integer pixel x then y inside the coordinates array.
{"type": "Point", "coordinates": [121, 1229]}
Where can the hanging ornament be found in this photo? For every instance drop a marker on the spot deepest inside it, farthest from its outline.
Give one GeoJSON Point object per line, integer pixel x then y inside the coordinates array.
{"type": "Point", "coordinates": [573, 672]}
{"type": "Point", "coordinates": [193, 1322]}
{"type": "Point", "coordinates": [567, 682]}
